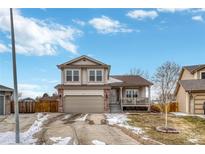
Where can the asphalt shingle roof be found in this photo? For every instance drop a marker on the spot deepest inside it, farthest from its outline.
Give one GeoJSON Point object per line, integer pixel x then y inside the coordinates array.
{"type": "Point", "coordinates": [193, 85]}
{"type": "Point", "coordinates": [130, 80]}
{"type": "Point", "coordinates": [193, 67]}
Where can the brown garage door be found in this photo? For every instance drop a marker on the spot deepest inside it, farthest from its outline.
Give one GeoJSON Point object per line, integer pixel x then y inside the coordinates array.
{"type": "Point", "coordinates": [83, 104]}
{"type": "Point", "coordinates": [198, 104]}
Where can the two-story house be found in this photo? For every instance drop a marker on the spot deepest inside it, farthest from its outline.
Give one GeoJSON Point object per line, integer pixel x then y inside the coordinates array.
{"type": "Point", "coordinates": [190, 89]}
{"type": "Point", "coordinates": [86, 86]}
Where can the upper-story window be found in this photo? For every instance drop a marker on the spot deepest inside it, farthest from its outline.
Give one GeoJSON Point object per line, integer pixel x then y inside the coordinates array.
{"type": "Point", "coordinates": [202, 75]}
{"type": "Point", "coordinates": [72, 75]}
{"type": "Point", "coordinates": [99, 75]}
{"type": "Point", "coordinates": [92, 75]}
{"type": "Point", "coordinates": [95, 75]}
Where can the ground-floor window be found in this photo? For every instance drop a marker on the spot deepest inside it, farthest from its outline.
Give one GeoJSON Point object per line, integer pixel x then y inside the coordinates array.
{"type": "Point", "coordinates": [131, 93]}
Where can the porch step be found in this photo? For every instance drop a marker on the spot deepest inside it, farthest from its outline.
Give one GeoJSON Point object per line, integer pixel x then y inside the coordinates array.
{"type": "Point", "coordinates": [115, 108]}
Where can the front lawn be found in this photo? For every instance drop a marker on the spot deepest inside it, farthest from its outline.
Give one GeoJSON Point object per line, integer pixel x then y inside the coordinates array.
{"type": "Point", "coordinates": [192, 129]}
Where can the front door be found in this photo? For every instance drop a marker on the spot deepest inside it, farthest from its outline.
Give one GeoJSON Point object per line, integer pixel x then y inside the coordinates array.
{"type": "Point", "coordinates": [113, 97]}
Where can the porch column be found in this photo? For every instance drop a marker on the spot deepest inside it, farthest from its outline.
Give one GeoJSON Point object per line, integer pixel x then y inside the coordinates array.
{"type": "Point", "coordinates": [149, 97]}
{"type": "Point", "coordinates": [121, 98]}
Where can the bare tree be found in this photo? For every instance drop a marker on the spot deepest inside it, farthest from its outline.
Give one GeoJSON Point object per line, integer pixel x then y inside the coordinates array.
{"type": "Point", "coordinates": [165, 80]}
{"type": "Point", "coordinates": [137, 71]}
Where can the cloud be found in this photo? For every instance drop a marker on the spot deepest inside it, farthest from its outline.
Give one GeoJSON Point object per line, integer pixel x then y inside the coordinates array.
{"type": "Point", "coordinates": [3, 48]}
{"type": "Point", "coordinates": [172, 10]}
{"type": "Point", "coordinates": [141, 14]}
{"type": "Point", "coordinates": [198, 18]}
{"type": "Point", "coordinates": [38, 37]}
{"type": "Point", "coordinates": [79, 22]}
{"type": "Point", "coordinates": [29, 90]}
{"type": "Point", "coordinates": [198, 10]}
{"type": "Point", "coordinates": [107, 25]}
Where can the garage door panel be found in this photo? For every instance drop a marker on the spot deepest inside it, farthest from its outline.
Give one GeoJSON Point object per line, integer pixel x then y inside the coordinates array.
{"type": "Point", "coordinates": [199, 111]}
{"type": "Point", "coordinates": [1, 105]}
{"type": "Point", "coordinates": [83, 104]}
{"type": "Point", "coordinates": [198, 104]}
{"type": "Point", "coordinates": [200, 97]}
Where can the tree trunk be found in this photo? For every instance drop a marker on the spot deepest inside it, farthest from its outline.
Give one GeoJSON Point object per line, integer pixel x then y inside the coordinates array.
{"type": "Point", "coordinates": [166, 116]}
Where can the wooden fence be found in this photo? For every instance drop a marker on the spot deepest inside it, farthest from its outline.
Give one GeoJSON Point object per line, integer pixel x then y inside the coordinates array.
{"type": "Point", "coordinates": [172, 107]}
{"type": "Point", "coordinates": [46, 106]}
{"type": "Point", "coordinates": [24, 107]}
{"type": "Point", "coordinates": [39, 106]}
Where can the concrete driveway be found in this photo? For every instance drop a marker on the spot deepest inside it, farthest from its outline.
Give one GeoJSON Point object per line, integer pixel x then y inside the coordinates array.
{"type": "Point", "coordinates": [84, 129]}
{"type": "Point", "coordinates": [61, 128]}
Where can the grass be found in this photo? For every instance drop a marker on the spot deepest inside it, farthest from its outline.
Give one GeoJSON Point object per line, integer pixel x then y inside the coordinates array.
{"type": "Point", "coordinates": [190, 128]}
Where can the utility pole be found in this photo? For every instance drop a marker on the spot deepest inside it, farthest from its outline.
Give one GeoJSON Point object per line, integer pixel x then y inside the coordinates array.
{"type": "Point", "coordinates": [15, 78]}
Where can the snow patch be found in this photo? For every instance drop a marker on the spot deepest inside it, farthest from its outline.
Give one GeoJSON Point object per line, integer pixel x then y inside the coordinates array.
{"type": "Point", "coordinates": [186, 114]}
{"type": "Point", "coordinates": [60, 141]}
{"type": "Point", "coordinates": [180, 114]}
{"type": "Point", "coordinates": [82, 118]}
{"type": "Point", "coordinates": [195, 141]}
{"type": "Point", "coordinates": [113, 80]}
{"type": "Point", "coordinates": [97, 142]}
{"type": "Point", "coordinates": [121, 120]}
{"type": "Point", "coordinates": [66, 117]}
{"type": "Point", "coordinates": [26, 137]}
{"type": "Point", "coordinates": [201, 116]}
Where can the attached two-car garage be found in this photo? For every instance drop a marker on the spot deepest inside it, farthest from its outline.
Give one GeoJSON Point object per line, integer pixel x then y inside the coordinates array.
{"type": "Point", "coordinates": [83, 104]}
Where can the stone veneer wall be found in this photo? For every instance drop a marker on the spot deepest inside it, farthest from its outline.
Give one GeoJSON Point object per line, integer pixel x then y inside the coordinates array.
{"type": "Point", "coordinates": [60, 104]}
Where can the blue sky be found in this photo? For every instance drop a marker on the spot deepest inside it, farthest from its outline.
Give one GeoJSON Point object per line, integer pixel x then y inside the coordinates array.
{"type": "Point", "coordinates": [123, 38]}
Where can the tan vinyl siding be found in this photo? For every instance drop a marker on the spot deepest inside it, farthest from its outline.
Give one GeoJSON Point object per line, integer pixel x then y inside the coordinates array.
{"type": "Point", "coordinates": [106, 76]}
{"type": "Point", "coordinates": [181, 99]}
{"type": "Point", "coordinates": [84, 92]}
{"type": "Point", "coordinates": [83, 62]}
{"type": "Point", "coordinates": [186, 75]}
{"type": "Point", "coordinates": [84, 76]}
{"type": "Point", "coordinates": [142, 92]}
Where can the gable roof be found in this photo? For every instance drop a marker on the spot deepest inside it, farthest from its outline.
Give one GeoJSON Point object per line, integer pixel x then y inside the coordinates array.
{"type": "Point", "coordinates": [83, 57]}
{"type": "Point", "coordinates": [193, 85]}
{"type": "Point", "coordinates": [193, 68]}
{"type": "Point", "coordinates": [4, 88]}
{"type": "Point", "coordinates": [130, 80]}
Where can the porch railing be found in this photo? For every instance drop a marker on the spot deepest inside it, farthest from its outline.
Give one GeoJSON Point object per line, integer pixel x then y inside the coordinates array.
{"type": "Point", "coordinates": [135, 101]}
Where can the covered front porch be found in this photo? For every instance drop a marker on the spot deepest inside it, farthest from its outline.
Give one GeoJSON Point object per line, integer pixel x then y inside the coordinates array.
{"type": "Point", "coordinates": [131, 97]}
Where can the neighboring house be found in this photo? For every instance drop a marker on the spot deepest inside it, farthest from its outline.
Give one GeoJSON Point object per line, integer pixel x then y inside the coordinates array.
{"type": "Point", "coordinates": [5, 100]}
{"type": "Point", "coordinates": [86, 86]}
{"type": "Point", "coordinates": [190, 89]}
